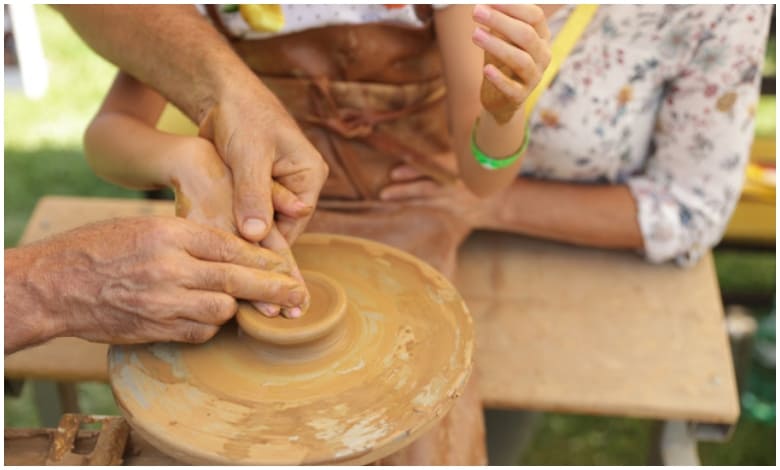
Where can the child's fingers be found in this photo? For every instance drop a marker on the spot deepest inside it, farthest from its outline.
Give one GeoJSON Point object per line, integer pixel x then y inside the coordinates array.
{"type": "Point", "coordinates": [531, 14]}
{"type": "Point", "coordinates": [519, 33]}
{"type": "Point", "coordinates": [517, 59]}
{"type": "Point", "coordinates": [416, 189]}
{"type": "Point", "coordinates": [403, 173]}
{"type": "Point", "coordinates": [513, 90]}
{"type": "Point", "coordinates": [287, 203]}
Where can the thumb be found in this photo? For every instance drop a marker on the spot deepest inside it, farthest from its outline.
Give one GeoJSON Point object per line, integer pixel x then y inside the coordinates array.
{"type": "Point", "coordinates": [252, 202]}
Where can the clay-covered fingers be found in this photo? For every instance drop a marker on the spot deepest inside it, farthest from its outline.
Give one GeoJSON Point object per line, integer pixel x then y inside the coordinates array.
{"type": "Point", "coordinates": [302, 171]}
{"type": "Point", "coordinates": [287, 203]}
{"type": "Point", "coordinates": [206, 307]}
{"type": "Point", "coordinates": [246, 283]}
{"type": "Point", "coordinates": [290, 211]}
{"type": "Point", "coordinates": [186, 331]}
{"type": "Point", "coordinates": [210, 244]}
{"type": "Point", "coordinates": [278, 243]}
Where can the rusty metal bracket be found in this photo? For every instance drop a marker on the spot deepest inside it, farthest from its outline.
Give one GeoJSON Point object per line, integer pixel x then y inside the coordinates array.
{"type": "Point", "coordinates": [108, 450]}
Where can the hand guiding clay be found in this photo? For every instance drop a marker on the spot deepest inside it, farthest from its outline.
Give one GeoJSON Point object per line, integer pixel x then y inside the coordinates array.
{"type": "Point", "coordinates": [262, 145]}
{"type": "Point", "coordinates": [204, 190]}
{"type": "Point", "coordinates": [144, 279]}
{"type": "Point", "coordinates": [516, 45]}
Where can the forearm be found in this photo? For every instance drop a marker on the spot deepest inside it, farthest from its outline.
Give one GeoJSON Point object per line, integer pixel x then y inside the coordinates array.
{"type": "Point", "coordinates": [592, 215]}
{"type": "Point", "coordinates": [27, 318]}
{"type": "Point", "coordinates": [130, 153]}
{"type": "Point", "coordinates": [169, 47]}
{"type": "Point", "coordinates": [494, 140]}
{"type": "Point", "coordinates": [462, 62]}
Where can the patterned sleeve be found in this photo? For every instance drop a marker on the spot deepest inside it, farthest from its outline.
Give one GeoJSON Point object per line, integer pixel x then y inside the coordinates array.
{"type": "Point", "coordinates": [704, 130]}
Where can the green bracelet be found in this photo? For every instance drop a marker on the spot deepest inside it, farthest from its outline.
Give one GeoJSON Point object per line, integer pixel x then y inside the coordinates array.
{"type": "Point", "coordinates": [491, 163]}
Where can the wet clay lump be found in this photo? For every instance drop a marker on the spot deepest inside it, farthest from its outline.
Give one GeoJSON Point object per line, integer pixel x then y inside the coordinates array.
{"type": "Point", "coordinates": [326, 310]}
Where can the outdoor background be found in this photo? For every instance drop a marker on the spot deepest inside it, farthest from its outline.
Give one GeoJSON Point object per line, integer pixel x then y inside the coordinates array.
{"type": "Point", "coordinates": [43, 156]}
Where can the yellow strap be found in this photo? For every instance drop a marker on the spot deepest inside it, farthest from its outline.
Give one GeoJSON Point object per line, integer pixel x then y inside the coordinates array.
{"type": "Point", "coordinates": [564, 42]}
{"type": "Point", "coordinates": [174, 121]}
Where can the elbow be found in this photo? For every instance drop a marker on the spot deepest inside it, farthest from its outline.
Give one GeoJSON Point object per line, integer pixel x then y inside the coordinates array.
{"type": "Point", "coordinates": [95, 142]}
{"type": "Point", "coordinates": [89, 144]}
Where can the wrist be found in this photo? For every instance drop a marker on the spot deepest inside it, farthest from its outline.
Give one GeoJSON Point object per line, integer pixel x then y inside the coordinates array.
{"type": "Point", "coordinates": [30, 298]}
{"type": "Point", "coordinates": [186, 160]}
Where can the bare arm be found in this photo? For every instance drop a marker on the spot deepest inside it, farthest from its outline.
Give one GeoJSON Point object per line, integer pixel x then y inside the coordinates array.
{"type": "Point", "coordinates": [115, 281]}
{"type": "Point", "coordinates": [177, 52]}
{"type": "Point", "coordinates": [123, 146]}
{"type": "Point", "coordinates": [593, 215]}
{"type": "Point", "coordinates": [170, 47]}
{"type": "Point", "coordinates": [463, 70]}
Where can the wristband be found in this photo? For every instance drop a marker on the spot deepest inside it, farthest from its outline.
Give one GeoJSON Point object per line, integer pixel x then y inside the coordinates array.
{"type": "Point", "coordinates": [491, 163]}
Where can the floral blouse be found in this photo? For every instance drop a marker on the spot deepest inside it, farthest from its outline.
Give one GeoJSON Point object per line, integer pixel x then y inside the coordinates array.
{"type": "Point", "coordinates": [658, 97]}
{"type": "Point", "coordinates": [661, 98]}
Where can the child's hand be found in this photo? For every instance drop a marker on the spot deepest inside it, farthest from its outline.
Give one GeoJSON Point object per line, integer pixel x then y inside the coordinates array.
{"type": "Point", "coordinates": [203, 186]}
{"type": "Point", "coordinates": [517, 52]}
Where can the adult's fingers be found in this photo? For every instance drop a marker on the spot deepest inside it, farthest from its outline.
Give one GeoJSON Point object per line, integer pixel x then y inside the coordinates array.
{"type": "Point", "coordinates": [188, 331]}
{"type": "Point", "coordinates": [208, 307]}
{"type": "Point", "coordinates": [302, 170]}
{"type": "Point", "coordinates": [287, 203]}
{"type": "Point", "coordinates": [275, 241]}
{"type": "Point", "coordinates": [210, 244]}
{"type": "Point", "coordinates": [246, 283]}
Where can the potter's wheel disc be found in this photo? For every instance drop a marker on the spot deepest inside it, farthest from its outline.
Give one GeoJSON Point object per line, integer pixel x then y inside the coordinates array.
{"type": "Point", "coordinates": [401, 356]}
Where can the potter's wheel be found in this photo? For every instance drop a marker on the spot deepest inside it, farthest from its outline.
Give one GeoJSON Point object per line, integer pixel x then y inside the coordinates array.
{"type": "Point", "coordinates": [350, 386]}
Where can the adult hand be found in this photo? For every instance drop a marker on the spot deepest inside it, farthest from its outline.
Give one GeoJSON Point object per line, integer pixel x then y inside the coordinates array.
{"type": "Point", "coordinates": [261, 143]}
{"type": "Point", "coordinates": [137, 280]}
{"type": "Point", "coordinates": [205, 194]}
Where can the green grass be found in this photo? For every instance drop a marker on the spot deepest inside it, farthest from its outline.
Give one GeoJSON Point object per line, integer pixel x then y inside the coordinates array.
{"type": "Point", "coordinates": [562, 439]}
{"type": "Point", "coordinates": [33, 173]}
{"type": "Point", "coordinates": [43, 156]}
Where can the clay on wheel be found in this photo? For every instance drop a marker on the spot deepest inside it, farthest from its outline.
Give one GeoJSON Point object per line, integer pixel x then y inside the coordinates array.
{"type": "Point", "coordinates": [327, 309]}
{"type": "Point", "coordinates": [393, 366]}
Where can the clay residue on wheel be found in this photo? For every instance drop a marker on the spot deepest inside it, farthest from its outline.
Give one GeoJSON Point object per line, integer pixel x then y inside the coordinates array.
{"type": "Point", "coordinates": [396, 366]}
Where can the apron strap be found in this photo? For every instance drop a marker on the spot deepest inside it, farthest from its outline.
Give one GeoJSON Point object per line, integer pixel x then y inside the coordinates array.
{"type": "Point", "coordinates": [564, 42]}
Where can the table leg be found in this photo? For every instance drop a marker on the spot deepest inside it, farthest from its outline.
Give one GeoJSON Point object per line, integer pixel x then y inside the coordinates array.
{"type": "Point", "coordinates": [509, 433]}
{"type": "Point", "coordinates": [53, 399]}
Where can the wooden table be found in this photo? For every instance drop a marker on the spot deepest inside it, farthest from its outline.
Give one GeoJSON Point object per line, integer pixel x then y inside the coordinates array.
{"type": "Point", "coordinates": [559, 328]}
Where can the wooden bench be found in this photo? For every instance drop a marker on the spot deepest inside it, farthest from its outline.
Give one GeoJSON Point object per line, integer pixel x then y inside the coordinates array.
{"type": "Point", "coordinates": [559, 328]}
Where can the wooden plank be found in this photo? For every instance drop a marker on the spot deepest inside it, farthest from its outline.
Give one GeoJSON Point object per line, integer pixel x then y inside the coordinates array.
{"type": "Point", "coordinates": [559, 328]}
{"type": "Point", "coordinates": [563, 328]}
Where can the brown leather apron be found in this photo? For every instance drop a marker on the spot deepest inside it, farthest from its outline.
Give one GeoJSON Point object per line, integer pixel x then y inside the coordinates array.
{"type": "Point", "coordinates": [370, 97]}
